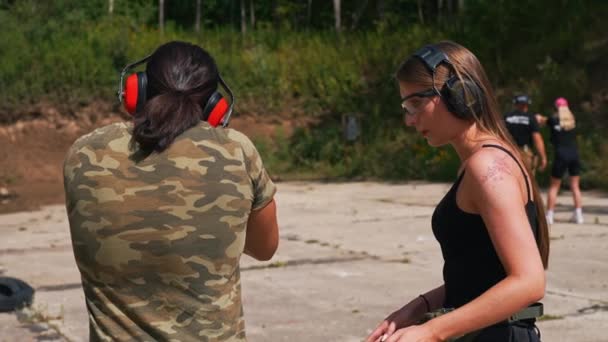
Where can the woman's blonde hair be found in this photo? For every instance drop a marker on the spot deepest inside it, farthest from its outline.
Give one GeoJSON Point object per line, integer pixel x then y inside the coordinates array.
{"type": "Point", "coordinates": [566, 118]}
{"type": "Point", "coordinates": [488, 118]}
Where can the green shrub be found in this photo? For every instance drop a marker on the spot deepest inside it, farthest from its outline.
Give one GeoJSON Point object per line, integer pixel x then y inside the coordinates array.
{"type": "Point", "coordinates": [70, 52]}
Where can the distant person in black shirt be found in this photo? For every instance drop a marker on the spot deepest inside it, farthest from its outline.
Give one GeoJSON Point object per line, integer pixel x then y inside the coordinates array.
{"type": "Point", "coordinates": [524, 129]}
{"type": "Point", "coordinates": [563, 137]}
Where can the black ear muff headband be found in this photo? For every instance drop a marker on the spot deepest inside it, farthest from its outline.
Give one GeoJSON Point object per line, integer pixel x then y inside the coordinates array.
{"type": "Point", "coordinates": [432, 57]}
{"type": "Point", "coordinates": [453, 91]}
{"type": "Point", "coordinates": [132, 94]}
{"type": "Point", "coordinates": [228, 114]}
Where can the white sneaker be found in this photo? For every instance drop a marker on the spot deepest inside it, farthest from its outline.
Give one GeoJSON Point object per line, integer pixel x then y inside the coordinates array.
{"type": "Point", "coordinates": [577, 216]}
{"type": "Point", "coordinates": [549, 217]}
{"type": "Point", "coordinates": [578, 219]}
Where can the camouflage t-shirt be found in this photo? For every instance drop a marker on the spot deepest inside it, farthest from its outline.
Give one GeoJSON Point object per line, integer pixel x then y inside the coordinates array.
{"type": "Point", "coordinates": [158, 239]}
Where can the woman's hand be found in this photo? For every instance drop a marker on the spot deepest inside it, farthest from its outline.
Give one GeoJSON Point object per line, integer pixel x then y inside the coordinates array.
{"type": "Point", "coordinates": [397, 320]}
{"type": "Point", "coordinates": [414, 333]}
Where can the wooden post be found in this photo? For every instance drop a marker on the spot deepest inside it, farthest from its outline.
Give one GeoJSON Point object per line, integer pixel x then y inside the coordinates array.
{"type": "Point", "coordinates": [337, 15]}
{"type": "Point", "coordinates": [243, 17]}
{"type": "Point", "coordinates": [197, 22]}
{"type": "Point", "coordinates": [251, 14]}
{"type": "Point", "coordinates": [161, 16]}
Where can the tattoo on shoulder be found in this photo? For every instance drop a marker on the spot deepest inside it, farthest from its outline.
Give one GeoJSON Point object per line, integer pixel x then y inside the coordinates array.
{"type": "Point", "coordinates": [497, 170]}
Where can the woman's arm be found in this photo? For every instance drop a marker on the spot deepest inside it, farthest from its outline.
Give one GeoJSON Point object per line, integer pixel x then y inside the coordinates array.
{"type": "Point", "coordinates": [493, 184]}
{"type": "Point", "coordinates": [436, 298]}
{"type": "Point", "coordinates": [409, 314]}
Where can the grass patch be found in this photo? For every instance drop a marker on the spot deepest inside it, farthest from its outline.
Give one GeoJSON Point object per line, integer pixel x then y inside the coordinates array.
{"type": "Point", "coordinates": [10, 179]}
{"type": "Point", "coordinates": [39, 315]}
{"type": "Point", "coordinates": [277, 264]}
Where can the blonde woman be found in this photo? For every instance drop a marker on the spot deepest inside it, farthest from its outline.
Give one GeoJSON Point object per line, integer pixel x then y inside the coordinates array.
{"type": "Point", "coordinates": [563, 137]}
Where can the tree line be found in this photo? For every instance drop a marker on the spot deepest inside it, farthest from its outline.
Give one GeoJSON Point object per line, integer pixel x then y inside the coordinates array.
{"type": "Point", "coordinates": [321, 59]}
{"type": "Point", "coordinates": [278, 14]}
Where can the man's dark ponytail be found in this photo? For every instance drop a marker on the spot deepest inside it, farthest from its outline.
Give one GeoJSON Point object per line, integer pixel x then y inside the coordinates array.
{"type": "Point", "coordinates": [163, 118]}
{"type": "Point", "coordinates": [181, 78]}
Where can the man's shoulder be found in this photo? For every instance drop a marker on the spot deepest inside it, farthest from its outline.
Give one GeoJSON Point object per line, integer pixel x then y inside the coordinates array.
{"type": "Point", "coordinates": [233, 136]}
{"type": "Point", "coordinates": [237, 136]}
{"type": "Point", "coordinates": [102, 137]}
{"type": "Point", "coordinates": [115, 137]}
{"type": "Point", "coordinates": [228, 143]}
{"type": "Point", "coordinates": [204, 132]}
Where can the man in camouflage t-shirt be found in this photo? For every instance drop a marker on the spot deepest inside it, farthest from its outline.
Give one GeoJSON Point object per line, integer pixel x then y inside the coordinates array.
{"type": "Point", "coordinates": [158, 238]}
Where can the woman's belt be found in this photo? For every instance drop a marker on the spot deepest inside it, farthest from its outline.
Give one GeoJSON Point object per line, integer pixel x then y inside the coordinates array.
{"type": "Point", "coordinates": [532, 311]}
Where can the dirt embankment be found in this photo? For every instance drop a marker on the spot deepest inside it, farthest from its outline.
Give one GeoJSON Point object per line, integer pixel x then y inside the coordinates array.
{"type": "Point", "coordinates": [32, 150]}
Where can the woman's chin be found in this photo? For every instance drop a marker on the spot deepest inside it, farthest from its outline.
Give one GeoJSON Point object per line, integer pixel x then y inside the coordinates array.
{"type": "Point", "coordinates": [435, 143]}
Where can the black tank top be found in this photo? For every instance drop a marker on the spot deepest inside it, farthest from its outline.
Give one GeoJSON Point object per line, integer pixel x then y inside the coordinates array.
{"type": "Point", "coordinates": [471, 265]}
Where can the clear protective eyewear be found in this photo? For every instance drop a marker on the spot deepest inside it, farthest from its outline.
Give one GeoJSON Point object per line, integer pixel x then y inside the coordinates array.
{"type": "Point", "coordinates": [412, 108]}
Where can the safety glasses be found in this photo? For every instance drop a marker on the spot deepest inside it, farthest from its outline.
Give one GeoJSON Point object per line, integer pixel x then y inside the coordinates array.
{"type": "Point", "coordinates": [412, 103]}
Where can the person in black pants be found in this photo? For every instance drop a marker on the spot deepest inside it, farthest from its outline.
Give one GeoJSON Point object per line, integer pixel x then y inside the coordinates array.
{"type": "Point", "coordinates": [563, 137]}
{"type": "Point", "coordinates": [490, 225]}
{"type": "Point", "coordinates": [524, 129]}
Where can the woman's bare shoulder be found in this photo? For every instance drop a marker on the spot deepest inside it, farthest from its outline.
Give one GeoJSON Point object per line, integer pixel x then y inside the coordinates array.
{"type": "Point", "coordinates": [493, 170]}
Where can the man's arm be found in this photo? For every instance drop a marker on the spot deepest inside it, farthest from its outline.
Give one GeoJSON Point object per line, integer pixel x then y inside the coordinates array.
{"type": "Point", "coordinates": [262, 237]}
{"type": "Point", "coordinates": [537, 138]}
{"type": "Point", "coordinates": [541, 119]}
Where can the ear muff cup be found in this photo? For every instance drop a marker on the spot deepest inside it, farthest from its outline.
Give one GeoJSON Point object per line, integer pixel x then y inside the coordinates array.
{"type": "Point", "coordinates": [215, 109]}
{"type": "Point", "coordinates": [453, 91]}
{"type": "Point", "coordinates": [456, 100]}
{"type": "Point", "coordinates": [135, 92]}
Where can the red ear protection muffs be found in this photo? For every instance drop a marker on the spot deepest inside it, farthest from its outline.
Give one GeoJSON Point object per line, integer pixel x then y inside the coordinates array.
{"type": "Point", "coordinates": [215, 109]}
{"type": "Point", "coordinates": [132, 93]}
{"type": "Point", "coordinates": [135, 92]}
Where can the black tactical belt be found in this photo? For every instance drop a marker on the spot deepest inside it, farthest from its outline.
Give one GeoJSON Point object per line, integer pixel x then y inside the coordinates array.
{"type": "Point", "coordinates": [532, 311]}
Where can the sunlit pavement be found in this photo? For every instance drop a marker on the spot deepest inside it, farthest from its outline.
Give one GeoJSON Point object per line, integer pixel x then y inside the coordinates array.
{"type": "Point", "coordinates": [350, 253]}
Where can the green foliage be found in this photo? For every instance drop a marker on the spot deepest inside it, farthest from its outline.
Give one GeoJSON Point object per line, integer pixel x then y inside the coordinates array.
{"type": "Point", "coordinates": [293, 64]}
{"type": "Point", "coordinates": [593, 150]}
{"type": "Point", "coordinates": [323, 151]}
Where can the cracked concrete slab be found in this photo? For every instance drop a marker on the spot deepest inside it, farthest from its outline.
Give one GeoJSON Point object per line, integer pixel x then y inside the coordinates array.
{"type": "Point", "coordinates": [349, 254]}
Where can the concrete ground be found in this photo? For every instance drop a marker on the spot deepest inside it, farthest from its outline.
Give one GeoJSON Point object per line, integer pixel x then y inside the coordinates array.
{"type": "Point", "coordinates": [349, 255]}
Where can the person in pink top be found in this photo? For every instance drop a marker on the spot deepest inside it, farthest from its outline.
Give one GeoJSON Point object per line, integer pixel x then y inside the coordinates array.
{"type": "Point", "coordinates": [563, 137]}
